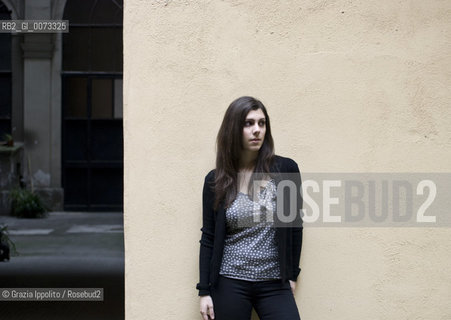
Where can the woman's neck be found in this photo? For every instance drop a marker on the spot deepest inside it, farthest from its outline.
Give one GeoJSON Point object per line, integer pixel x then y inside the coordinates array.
{"type": "Point", "coordinates": [247, 160]}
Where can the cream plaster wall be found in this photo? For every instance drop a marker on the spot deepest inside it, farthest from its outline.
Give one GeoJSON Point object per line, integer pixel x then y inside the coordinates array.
{"type": "Point", "coordinates": [350, 86]}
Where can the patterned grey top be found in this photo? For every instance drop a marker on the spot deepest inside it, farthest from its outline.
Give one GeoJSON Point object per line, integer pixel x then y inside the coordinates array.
{"type": "Point", "coordinates": [250, 249]}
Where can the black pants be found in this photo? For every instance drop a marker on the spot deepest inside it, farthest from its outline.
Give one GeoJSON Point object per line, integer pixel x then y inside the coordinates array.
{"type": "Point", "coordinates": [233, 299]}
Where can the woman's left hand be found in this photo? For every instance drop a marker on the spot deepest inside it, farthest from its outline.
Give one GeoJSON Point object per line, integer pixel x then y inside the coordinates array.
{"type": "Point", "coordinates": [292, 285]}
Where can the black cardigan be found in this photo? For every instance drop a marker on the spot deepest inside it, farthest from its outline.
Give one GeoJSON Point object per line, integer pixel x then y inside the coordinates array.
{"type": "Point", "coordinates": [214, 229]}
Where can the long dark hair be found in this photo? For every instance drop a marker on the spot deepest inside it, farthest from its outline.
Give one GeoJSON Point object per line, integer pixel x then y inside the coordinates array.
{"type": "Point", "coordinates": [229, 148]}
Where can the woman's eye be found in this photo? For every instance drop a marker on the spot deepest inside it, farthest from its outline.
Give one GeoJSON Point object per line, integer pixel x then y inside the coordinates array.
{"type": "Point", "coordinates": [247, 123]}
{"type": "Point", "coordinates": [262, 123]}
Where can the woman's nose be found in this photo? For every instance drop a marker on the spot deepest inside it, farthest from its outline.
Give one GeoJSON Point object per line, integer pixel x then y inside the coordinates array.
{"type": "Point", "coordinates": [256, 130]}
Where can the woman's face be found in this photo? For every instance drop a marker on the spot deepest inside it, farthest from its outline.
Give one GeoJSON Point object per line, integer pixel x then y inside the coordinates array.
{"type": "Point", "coordinates": [254, 130]}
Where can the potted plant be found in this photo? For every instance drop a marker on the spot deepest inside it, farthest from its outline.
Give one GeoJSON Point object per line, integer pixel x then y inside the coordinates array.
{"type": "Point", "coordinates": [5, 244]}
{"type": "Point", "coordinates": [8, 139]}
{"type": "Point", "coordinates": [27, 204]}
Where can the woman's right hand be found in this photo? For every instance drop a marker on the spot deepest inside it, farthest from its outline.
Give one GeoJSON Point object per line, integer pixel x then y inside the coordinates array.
{"type": "Point", "coordinates": [206, 308]}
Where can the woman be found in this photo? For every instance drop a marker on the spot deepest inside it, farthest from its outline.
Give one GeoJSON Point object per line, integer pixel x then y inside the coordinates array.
{"type": "Point", "coordinates": [251, 236]}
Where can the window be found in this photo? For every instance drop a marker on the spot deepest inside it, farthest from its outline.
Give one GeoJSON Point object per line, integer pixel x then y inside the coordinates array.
{"type": "Point", "coordinates": [92, 106]}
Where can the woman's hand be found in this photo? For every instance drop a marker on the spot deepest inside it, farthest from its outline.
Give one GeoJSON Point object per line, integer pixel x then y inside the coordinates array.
{"type": "Point", "coordinates": [292, 285]}
{"type": "Point", "coordinates": [206, 308]}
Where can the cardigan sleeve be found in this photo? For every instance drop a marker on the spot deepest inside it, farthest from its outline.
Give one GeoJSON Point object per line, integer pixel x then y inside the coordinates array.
{"type": "Point", "coordinates": [208, 235]}
{"type": "Point", "coordinates": [298, 227]}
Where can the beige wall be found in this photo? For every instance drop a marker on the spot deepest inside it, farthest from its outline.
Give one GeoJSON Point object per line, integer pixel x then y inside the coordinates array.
{"type": "Point", "coordinates": [351, 86]}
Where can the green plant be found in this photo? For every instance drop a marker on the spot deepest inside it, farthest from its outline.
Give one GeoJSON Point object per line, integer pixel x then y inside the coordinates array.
{"type": "Point", "coordinates": [9, 139]}
{"type": "Point", "coordinates": [26, 204]}
{"type": "Point", "coordinates": [5, 239]}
